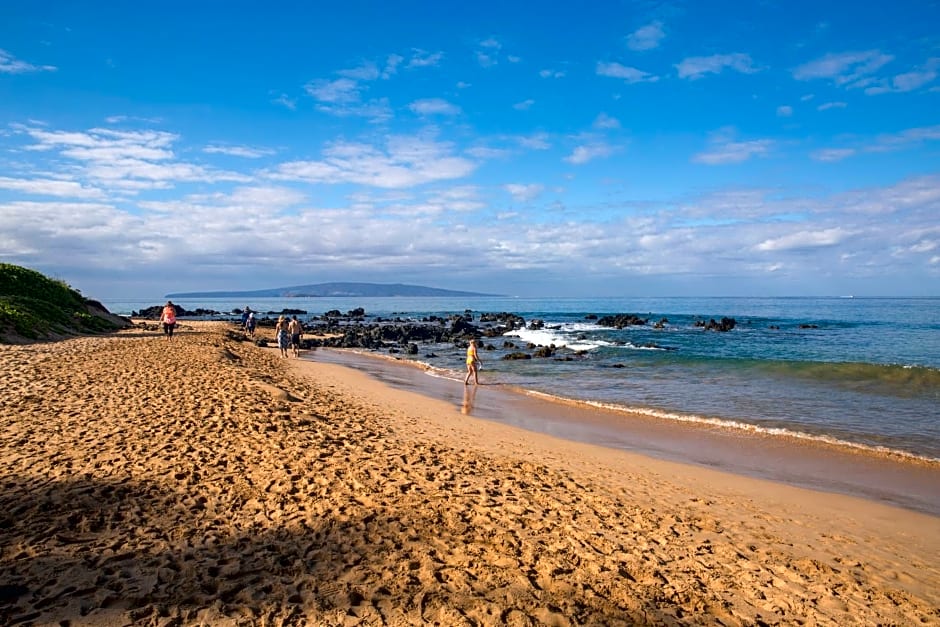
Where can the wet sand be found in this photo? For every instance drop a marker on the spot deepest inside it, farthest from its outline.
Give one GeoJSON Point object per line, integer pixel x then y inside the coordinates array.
{"type": "Point", "coordinates": [206, 481]}
{"type": "Point", "coordinates": [799, 462]}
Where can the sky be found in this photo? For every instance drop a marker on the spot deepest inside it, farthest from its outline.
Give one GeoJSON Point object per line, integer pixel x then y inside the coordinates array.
{"type": "Point", "coordinates": [571, 149]}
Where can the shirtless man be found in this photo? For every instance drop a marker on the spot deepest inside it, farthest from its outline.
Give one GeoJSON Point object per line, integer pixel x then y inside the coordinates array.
{"type": "Point", "coordinates": [296, 330]}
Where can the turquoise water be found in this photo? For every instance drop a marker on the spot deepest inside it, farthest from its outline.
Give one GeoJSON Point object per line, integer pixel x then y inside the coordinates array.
{"type": "Point", "coordinates": [857, 372]}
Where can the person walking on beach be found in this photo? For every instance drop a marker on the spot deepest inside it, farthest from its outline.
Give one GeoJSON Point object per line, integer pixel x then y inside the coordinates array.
{"type": "Point", "coordinates": [282, 336]}
{"type": "Point", "coordinates": [168, 318]}
{"type": "Point", "coordinates": [473, 364]}
{"type": "Point", "coordinates": [250, 324]}
{"type": "Point", "coordinates": [296, 330]}
{"type": "Point", "coordinates": [245, 315]}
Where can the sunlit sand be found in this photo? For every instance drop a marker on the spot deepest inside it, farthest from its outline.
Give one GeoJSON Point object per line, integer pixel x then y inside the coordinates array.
{"type": "Point", "coordinates": [210, 481]}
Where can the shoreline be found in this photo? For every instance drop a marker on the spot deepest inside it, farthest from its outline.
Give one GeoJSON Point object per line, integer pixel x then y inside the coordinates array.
{"type": "Point", "coordinates": [665, 415]}
{"type": "Point", "coordinates": [886, 477]}
{"type": "Point", "coordinates": [817, 386]}
{"type": "Point", "coordinates": [210, 481]}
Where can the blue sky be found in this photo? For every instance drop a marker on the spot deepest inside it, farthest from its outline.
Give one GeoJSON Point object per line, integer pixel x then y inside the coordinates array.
{"type": "Point", "coordinates": [572, 149]}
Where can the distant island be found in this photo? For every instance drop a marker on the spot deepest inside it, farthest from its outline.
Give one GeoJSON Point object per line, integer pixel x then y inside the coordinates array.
{"type": "Point", "coordinates": [333, 290]}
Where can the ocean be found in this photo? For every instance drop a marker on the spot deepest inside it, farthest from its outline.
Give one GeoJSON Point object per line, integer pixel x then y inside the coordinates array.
{"type": "Point", "coordinates": [858, 373]}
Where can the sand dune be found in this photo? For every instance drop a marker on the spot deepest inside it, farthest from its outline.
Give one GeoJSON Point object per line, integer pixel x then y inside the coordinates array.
{"type": "Point", "coordinates": [209, 481]}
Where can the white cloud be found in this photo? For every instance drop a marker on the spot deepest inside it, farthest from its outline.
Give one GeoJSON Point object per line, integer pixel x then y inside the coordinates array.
{"type": "Point", "coordinates": [118, 119]}
{"type": "Point", "coordinates": [238, 151]}
{"type": "Point", "coordinates": [804, 239]}
{"type": "Point", "coordinates": [263, 196]}
{"type": "Point", "coordinates": [392, 62]}
{"type": "Point", "coordinates": [339, 91]}
{"type": "Point", "coordinates": [428, 234]}
{"type": "Point", "coordinates": [588, 152]}
{"type": "Point", "coordinates": [908, 81]}
{"type": "Point", "coordinates": [104, 143]}
{"type": "Point", "coordinates": [849, 69]}
{"type": "Point", "coordinates": [375, 111]}
{"type": "Point", "coordinates": [256, 201]}
{"type": "Point", "coordinates": [730, 208]}
{"type": "Point", "coordinates": [507, 146]}
{"type": "Point", "coordinates": [831, 105]}
{"type": "Point", "coordinates": [886, 142]}
{"type": "Point", "coordinates": [696, 67]}
{"type": "Point", "coordinates": [422, 58]}
{"type": "Point", "coordinates": [11, 65]}
{"type": "Point", "coordinates": [368, 71]}
{"type": "Point", "coordinates": [405, 162]}
{"type": "Point", "coordinates": [832, 154]}
{"type": "Point", "coordinates": [629, 74]}
{"type": "Point", "coordinates": [784, 111]}
{"type": "Point", "coordinates": [925, 246]}
{"type": "Point", "coordinates": [646, 37]}
{"type": "Point", "coordinates": [434, 106]}
{"type": "Point", "coordinates": [724, 150]}
{"type": "Point", "coordinates": [463, 198]}
{"type": "Point", "coordinates": [435, 204]}
{"type": "Point", "coordinates": [487, 53]}
{"type": "Point", "coordinates": [78, 235]}
{"type": "Point", "coordinates": [488, 152]}
{"type": "Point", "coordinates": [133, 174]}
{"type": "Point", "coordinates": [538, 141]}
{"type": "Point", "coordinates": [552, 73]}
{"type": "Point", "coordinates": [916, 197]}
{"type": "Point", "coordinates": [604, 121]}
{"type": "Point", "coordinates": [51, 187]}
{"type": "Point", "coordinates": [907, 137]}
{"type": "Point", "coordinates": [524, 192]}
{"type": "Point", "coordinates": [285, 101]}
{"type": "Point", "coordinates": [126, 160]}
{"type": "Point", "coordinates": [524, 105]}
{"type": "Point", "coordinates": [343, 97]}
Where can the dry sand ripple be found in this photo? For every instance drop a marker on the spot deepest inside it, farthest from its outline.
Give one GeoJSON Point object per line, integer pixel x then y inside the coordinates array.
{"type": "Point", "coordinates": [209, 481]}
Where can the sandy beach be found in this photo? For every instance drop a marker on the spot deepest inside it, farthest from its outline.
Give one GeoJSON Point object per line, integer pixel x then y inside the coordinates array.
{"type": "Point", "coordinates": [207, 481]}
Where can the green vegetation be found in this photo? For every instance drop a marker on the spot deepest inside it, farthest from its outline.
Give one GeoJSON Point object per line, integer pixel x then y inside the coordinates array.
{"type": "Point", "coordinates": [35, 307]}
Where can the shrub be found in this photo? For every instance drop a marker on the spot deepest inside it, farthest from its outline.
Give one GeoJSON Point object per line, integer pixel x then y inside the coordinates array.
{"type": "Point", "coordinates": [33, 306]}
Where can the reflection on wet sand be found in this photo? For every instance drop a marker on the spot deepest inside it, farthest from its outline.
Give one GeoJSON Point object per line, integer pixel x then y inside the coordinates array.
{"type": "Point", "coordinates": [469, 396]}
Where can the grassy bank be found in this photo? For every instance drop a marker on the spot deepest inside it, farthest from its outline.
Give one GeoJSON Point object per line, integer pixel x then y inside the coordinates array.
{"type": "Point", "coordinates": [34, 307]}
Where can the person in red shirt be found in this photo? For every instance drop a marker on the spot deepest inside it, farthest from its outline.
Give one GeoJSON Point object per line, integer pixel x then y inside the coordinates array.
{"type": "Point", "coordinates": [168, 318]}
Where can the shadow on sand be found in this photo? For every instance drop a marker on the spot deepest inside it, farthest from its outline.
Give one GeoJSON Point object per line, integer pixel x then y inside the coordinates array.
{"type": "Point", "coordinates": [96, 552]}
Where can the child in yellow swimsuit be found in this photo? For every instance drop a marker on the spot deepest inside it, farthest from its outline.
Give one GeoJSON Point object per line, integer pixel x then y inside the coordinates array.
{"type": "Point", "coordinates": [473, 363]}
